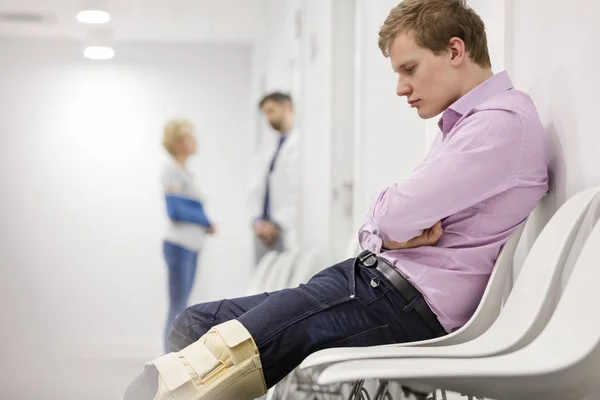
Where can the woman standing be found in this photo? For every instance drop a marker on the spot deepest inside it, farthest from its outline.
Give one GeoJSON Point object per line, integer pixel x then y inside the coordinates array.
{"type": "Point", "coordinates": [188, 223]}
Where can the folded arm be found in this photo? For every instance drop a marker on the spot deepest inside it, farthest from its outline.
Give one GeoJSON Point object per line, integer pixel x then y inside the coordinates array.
{"type": "Point", "coordinates": [478, 161]}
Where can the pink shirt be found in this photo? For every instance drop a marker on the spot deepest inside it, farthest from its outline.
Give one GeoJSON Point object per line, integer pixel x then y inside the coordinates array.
{"type": "Point", "coordinates": [484, 174]}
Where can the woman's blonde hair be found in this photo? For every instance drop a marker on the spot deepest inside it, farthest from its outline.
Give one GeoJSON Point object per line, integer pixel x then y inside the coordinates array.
{"type": "Point", "coordinates": [174, 131]}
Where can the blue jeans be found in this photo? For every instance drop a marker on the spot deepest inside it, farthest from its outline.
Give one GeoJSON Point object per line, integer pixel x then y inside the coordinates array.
{"type": "Point", "coordinates": [181, 264]}
{"type": "Point", "coordinates": [346, 305]}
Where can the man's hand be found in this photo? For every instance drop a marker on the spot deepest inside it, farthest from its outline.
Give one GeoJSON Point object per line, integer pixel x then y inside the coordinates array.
{"type": "Point", "coordinates": [211, 230]}
{"type": "Point", "coordinates": [429, 237]}
{"type": "Point", "coordinates": [267, 231]}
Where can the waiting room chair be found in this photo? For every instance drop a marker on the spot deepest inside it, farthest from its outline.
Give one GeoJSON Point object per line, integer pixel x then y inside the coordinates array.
{"type": "Point", "coordinates": [257, 283]}
{"type": "Point", "coordinates": [560, 364]}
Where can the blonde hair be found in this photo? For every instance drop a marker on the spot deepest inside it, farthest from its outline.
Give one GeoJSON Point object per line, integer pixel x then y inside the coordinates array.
{"type": "Point", "coordinates": [433, 23]}
{"type": "Point", "coordinates": [174, 131]}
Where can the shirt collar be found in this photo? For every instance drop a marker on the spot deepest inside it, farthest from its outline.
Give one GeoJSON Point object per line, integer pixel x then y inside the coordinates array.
{"type": "Point", "coordinates": [496, 84]}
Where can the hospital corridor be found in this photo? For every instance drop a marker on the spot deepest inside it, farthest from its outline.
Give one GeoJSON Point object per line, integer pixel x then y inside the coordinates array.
{"type": "Point", "coordinates": [299, 200]}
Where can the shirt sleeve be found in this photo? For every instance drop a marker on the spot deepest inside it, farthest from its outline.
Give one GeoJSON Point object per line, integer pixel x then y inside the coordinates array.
{"type": "Point", "coordinates": [171, 179]}
{"type": "Point", "coordinates": [479, 160]}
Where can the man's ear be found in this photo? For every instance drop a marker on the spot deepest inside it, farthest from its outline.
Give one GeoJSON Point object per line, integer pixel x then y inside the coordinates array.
{"type": "Point", "coordinates": [457, 51]}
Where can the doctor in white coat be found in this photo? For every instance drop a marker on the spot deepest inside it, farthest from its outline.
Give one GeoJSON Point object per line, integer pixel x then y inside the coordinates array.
{"type": "Point", "coordinates": [277, 186]}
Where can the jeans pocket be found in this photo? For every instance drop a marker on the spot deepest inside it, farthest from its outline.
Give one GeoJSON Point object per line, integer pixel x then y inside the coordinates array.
{"type": "Point", "coordinates": [370, 285]}
{"type": "Point", "coordinates": [332, 286]}
{"type": "Point", "coordinates": [375, 336]}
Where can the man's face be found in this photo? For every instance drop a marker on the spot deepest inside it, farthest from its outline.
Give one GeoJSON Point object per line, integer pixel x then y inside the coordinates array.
{"type": "Point", "coordinates": [430, 82]}
{"type": "Point", "coordinates": [275, 114]}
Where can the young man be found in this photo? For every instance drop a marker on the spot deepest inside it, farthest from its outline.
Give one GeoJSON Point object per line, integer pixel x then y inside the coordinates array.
{"type": "Point", "coordinates": [430, 240]}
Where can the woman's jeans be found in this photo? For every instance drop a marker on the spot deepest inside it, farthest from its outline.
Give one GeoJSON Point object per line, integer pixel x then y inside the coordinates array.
{"type": "Point", "coordinates": [181, 264]}
{"type": "Point", "coordinates": [346, 305]}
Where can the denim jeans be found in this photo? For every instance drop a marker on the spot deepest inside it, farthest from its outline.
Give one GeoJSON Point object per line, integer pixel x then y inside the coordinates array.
{"type": "Point", "coordinates": [346, 305]}
{"type": "Point", "coordinates": [181, 264]}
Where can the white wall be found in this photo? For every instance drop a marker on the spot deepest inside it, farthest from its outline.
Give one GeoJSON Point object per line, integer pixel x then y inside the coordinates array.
{"type": "Point", "coordinates": [343, 123]}
{"type": "Point", "coordinates": [81, 206]}
{"type": "Point", "coordinates": [551, 55]}
{"type": "Point", "coordinates": [391, 137]}
{"type": "Point", "coordinates": [275, 60]}
{"type": "Point", "coordinates": [315, 119]}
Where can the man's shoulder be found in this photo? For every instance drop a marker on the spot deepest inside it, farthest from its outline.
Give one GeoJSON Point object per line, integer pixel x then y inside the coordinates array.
{"type": "Point", "coordinates": [510, 102]}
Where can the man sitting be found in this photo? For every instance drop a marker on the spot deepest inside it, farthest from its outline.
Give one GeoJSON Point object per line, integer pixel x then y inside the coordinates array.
{"type": "Point", "coordinates": [430, 240]}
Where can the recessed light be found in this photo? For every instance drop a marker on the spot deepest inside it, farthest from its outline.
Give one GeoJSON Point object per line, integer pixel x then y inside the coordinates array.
{"type": "Point", "coordinates": [93, 17]}
{"type": "Point", "coordinates": [99, 53]}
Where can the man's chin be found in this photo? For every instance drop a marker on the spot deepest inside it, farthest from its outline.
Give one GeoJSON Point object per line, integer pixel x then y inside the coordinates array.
{"type": "Point", "coordinates": [426, 114]}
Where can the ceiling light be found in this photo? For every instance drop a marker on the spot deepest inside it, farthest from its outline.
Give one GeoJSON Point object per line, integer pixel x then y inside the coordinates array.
{"type": "Point", "coordinates": [93, 17]}
{"type": "Point", "coordinates": [99, 53]}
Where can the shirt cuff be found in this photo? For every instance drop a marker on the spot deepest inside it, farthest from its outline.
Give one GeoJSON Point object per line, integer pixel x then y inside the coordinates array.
{"type": "Point", "coordinates": [368, 239]}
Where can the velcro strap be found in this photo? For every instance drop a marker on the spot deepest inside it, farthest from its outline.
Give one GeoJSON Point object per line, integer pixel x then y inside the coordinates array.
{"type": "Point", "coordinates": [200, 358]}
{"type": "Point", "coordinates": [172, 371]}
{"type": "Point", "coordinates": [233, 333]}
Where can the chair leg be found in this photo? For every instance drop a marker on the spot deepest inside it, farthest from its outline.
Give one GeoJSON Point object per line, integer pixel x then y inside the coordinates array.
{"type": "Point", "coordinates": [383, 392]}
{"type": "Point", "coordinates": [303, 386]}
{"type": "Point", "coordinates": [359, 392]}
{"type": "Point", "coordinates": [442, 393]}
{"type": "Point", "coordinates": [419, 396]}
{"type": "Point", "coordinates": [284, 388]}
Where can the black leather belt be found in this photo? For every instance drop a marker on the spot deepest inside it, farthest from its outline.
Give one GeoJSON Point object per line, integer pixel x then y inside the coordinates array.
{"type": "Point", "coordinates": [406, 290]}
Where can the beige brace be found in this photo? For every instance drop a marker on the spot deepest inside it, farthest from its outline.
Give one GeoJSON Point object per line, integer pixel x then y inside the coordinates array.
{"type": "Point", "coordinates": [224, 364]}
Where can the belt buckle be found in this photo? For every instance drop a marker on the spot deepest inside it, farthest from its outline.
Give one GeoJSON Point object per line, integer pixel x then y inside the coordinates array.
{"type": "Point", "coordinates": [367, 259]}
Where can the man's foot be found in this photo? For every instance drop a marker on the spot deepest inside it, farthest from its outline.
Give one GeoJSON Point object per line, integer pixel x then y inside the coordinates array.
{"type": "Point", "coordinates": [145, 386]}
{"type": "Point", "coordinates": [224, 364]}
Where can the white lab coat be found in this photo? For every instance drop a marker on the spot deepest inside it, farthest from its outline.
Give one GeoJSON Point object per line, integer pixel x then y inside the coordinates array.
{"type": "Point", "coordinates": [284, 188]}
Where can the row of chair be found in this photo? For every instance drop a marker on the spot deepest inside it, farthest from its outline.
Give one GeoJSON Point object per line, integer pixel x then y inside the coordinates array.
{"type": "Point", "coordinates": [539, 345]}
{"type": "Point", "coordinates": [290, 268]}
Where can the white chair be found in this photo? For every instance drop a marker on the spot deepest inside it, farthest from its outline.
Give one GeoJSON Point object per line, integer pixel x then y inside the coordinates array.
{"type": "Point", "coordinates": [280, 272]}
{"type": "Point", "coordinates": [482, 319]}
{"type": "Point", "coordinates": [309, 263]}
{"type": "Point", "coordinates": [353, 247]}
{"type": "Point", "coordinates": [562, 363]}
{"type": "Point", "coordinates": [257, 284]}
{"type": "Point", "coordinates": [529, 304]}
